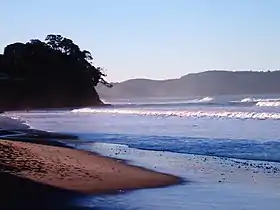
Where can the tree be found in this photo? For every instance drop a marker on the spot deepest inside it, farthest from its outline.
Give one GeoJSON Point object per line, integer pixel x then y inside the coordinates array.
{"type": "Point", "coordinates": [100, 77]}
{"type": "Point", "coordinates": [55, 69]}
{"type": "Point", "coordinates": [54, 41]}
{"type": "Point", "coordinates": [87, 55]}
{"type": "Point", "coordinates": [68, 47]}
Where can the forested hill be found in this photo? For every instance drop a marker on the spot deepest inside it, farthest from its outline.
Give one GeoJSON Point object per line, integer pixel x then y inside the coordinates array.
{"type": "Point", "coordinates": [48, 74]}
{"type": "Point", "coordinates": [209, 83]}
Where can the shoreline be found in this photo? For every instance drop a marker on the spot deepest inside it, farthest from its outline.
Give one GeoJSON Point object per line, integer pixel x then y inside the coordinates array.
{"type": "Point", "coordinates": [76, 170]}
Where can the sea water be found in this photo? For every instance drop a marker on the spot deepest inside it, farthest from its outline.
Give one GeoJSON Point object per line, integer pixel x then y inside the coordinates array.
{"type": "Point", "coordinates": [227, 148]}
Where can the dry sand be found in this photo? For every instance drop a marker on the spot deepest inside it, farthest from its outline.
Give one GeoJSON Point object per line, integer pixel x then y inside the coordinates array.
{"type": "Point", "coordinates": [75, 170]}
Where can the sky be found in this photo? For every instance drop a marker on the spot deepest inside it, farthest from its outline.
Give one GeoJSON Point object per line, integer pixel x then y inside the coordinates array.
{"type": "Point", "coordinates": [155, 39]}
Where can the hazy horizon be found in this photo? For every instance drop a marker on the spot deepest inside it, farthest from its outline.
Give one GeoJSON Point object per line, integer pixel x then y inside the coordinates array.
{"type": "Point", "coordinates": [155, 39]}
{"type": "Point", "coordinates": [210, 70]}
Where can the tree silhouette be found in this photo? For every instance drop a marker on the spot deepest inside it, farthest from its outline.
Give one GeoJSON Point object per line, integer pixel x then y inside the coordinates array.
{"type": "Point", "coordinates": [52, 73]}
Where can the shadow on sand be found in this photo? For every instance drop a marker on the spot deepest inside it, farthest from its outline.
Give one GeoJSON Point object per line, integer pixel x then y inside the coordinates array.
{"type": "Point", "coordinates": [21, 193]}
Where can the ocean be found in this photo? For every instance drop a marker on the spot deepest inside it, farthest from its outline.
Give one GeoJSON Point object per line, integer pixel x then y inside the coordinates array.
{"type": "Point", "coordinates": [226, 148]}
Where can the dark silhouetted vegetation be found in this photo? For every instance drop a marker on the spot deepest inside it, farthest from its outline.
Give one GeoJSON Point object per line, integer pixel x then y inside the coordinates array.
{"type": "Point", "coordinates": [48, 74]}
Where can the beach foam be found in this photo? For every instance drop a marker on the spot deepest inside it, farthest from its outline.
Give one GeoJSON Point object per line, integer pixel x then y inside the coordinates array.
{"type": "Point", "coordinates": [268, 103]}
{"type": "Point", "coordinates": [194, 114]}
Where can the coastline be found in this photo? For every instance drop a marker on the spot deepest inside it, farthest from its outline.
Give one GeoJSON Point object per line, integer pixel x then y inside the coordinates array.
{"type": "Point", "coordinates": [37, 167]}
{"type": "Point", "coordinates": [207, 180]}
{"type": "Point", "coordinates": [36, 170]}
{"type": "Point", "coordinates": [76, 170]}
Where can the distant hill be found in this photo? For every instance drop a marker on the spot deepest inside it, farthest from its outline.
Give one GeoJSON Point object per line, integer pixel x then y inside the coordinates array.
{"type": "Point", "coordinates": [209, 83]}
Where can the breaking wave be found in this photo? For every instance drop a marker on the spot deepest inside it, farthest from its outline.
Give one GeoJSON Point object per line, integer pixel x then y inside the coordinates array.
{"type": "Point", "coordinates": [246, 100]}
{"type": "Point", "coordinates": [194, 114]}
{"type": "Point", "coordinates": [270, 102]}
{"type": "Point", "coordinates": [203, 100]}
{"type": "Point", "coordinates": [206, 101]}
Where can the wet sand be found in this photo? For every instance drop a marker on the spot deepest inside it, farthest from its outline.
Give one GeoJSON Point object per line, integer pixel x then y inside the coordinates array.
{"type": "Point", "coordinates": [73, 170]}
{"type": "Point", "coordinates": [211, 182]}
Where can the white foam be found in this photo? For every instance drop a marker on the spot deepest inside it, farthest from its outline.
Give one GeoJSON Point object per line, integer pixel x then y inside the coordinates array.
{"type": "Point", "coordinates": [262, 102]}
{"type": "Point", "coordinates": [195, 114]}
{"type": "Point", "coordinates": [249, 100]}
{"type": "Point", "coordinates": [155, 102]}
{"type": "Point", "coordinates": [203, 100]}
{"type": "Point", "coordinates": [268, 103]}
{"type": "Point", "coordinates": [111, 145]}
{"type": "Point", "coordinates": [246, 100]}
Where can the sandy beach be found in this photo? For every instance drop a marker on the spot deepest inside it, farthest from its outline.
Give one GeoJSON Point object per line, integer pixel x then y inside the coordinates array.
{"type": "Point", "coordinates": [75, 170]}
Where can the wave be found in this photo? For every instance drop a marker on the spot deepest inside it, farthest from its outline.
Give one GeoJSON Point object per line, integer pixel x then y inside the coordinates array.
{"type": "Point", "coordinates": [13, 123]}
{"type": "Point", "coordinates": [269, 102]}
{"type": "Point", "coordinates": [246, 100]}
{"type": "Point", "coordinates": [206, 101]}
{"type": "Point", "coordinates": [203, 100]}
{"type": "Point", "coordinates": [193, 114]}
{"type": "Point", "coordinates": [170, 102]}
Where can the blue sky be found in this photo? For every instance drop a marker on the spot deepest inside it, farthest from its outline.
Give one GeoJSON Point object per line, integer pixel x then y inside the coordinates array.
{"type": "Point", "coordinates": [154, 38]}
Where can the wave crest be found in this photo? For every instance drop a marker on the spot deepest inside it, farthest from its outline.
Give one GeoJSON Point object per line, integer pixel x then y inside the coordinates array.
{"type": "Point", "coordinates": [194, 114]}
{"type": "Point", "coordinates": [203, 100]}
{"type": "Point", "coordinates": [269, 103]}
{"type": "Point", "coordinates": [248, 100]}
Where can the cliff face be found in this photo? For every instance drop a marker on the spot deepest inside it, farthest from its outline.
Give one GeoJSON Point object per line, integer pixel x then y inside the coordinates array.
{"type": "Point", "coordinates": [51, 74]}
{"type": "Point", "coordinates": [209, 83]}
